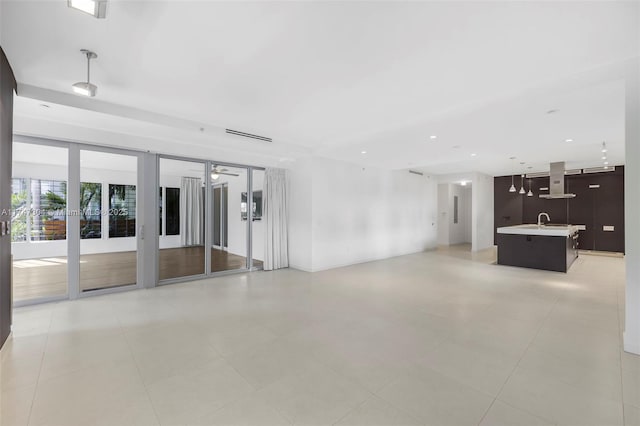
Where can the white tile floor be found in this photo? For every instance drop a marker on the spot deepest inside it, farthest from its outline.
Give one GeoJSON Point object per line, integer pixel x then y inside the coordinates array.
{"type": "Point", "coordinates": [438, 338]}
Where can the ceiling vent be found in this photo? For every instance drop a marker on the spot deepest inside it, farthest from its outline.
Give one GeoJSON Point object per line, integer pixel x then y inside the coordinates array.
{"type": "Point", "coordinates": [573, 172]}
{"type": "Point", "coordinates": [537, 175]}
{"type": "Point", "coordinates": [416, 172]}
{"type": "Point", "coordinates": [599, 169]}
{"type": "Point", "coordinates": [248, 135]}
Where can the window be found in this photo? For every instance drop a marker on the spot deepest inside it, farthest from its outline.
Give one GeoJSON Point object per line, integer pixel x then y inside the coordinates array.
{"type": "Point", "coordinates": [38, 210]}
{"type": "Point", "coordinates": [48, 214]}
{"type": "Point", "coordinates": [91, 210]}
{"type": "Point", "coordinates": [19, 209]}
{"type": "Point", "coordinates": [122, 211]}
{"type": "Point", "coordinates": [173, 211]}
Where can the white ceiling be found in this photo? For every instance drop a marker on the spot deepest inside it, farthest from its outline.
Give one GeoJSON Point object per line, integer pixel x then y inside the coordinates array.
{"type": "Point", "coordinates": [337, 78]}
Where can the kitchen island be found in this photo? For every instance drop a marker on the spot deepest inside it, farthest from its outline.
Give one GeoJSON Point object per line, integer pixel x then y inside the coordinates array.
{"type": "Point", "coordinates": [548, 247]}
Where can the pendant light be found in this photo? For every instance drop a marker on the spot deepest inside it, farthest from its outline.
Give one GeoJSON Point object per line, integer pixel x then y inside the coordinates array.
{"type": "Point", "coordinates": [530, 193]}
{"type": "Point", "coordinates": [522, 191]}
{"type": "Point", "coordinates": [85, 88]}
{"type": "Point", "coordinates": [513, 187]}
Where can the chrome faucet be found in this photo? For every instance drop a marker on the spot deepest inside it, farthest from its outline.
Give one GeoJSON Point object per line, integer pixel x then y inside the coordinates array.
{"type": "Point", "coordinates": [540, 218]}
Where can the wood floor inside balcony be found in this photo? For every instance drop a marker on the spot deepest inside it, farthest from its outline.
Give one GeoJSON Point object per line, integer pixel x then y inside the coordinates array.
{"type": "Point", "coordinates": [48, 277]}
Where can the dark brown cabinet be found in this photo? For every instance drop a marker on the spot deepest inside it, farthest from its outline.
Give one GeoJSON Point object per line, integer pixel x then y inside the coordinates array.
{"type": "Point", "coordinates": [598, 207]}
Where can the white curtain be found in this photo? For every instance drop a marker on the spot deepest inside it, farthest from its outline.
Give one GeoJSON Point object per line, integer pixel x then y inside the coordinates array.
{"type": "Point", "coordinates": [191, 212]}
{"type": "Point", "coordinates": [275, 204]}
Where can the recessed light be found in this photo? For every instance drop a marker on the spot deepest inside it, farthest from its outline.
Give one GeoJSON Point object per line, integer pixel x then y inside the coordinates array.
{"type": "Point", "coordinates": [433, 137]}
{"type": "Point", "coordinates": [604, 157]}
{"type": "Point", "coordinates": [463, 183]}
{"type": "Point", "coordinates": [568, 140]}
{"type": "Point", "coordinates": [606, 163]}
{"type": "Point", "coordinates": [473, 155]}
{"type": "Point", "coordinates": [363, 152]}
{"type": "Point", "coordinates": [604, 149]}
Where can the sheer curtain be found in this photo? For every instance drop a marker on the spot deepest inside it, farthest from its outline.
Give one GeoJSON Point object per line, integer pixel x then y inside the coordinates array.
{"type": "Point", "coordinates": [276, 250]}
{"type": "Point", "coordinates": [191, 215]}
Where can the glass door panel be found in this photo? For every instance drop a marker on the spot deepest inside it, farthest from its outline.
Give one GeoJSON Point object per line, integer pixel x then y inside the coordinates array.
{"type": "Point", "coordinates": [39, 222]}
{"type": "Point", "coordinates": [229, 222]}
{"type": "Point", "coordinates": [181, 241]}
{"type": "Point", "coordinates": [108, 214]}
{"type": "Point", "coordinates": [257, 232]}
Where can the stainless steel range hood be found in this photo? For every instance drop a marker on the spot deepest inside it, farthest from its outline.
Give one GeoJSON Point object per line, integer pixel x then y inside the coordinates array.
{"type": "Point", "coordinates": [556, 182]}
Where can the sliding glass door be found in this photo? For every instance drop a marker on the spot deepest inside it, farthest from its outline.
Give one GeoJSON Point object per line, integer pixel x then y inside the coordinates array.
{"type": "Point", "coordinates": [182, 196]}
{"type": "Point", "coordinates": [257, 224]}
{"type": "Point", "coordinates": [39, 222]}
{"type": "Point", "coordinates": [108, 220]}
{"type": "Point", "coordinates": [229, 218]}
{"type": "Point", "coordinates": [78, 214]}
{"type": "Point", "coordinates": [213, 237]}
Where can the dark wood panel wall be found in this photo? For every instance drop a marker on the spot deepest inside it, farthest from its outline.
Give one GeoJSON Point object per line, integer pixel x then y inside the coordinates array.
{"type": "Point", "coordinates": [7, 88]}
{"type": "Point", "coordinates": [599, 203]}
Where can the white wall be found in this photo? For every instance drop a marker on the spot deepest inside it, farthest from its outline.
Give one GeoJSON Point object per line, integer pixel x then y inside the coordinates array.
{"type": "Point", "coordinates": [363, 214]}
{"type": "Point", "coordinates": [482, 212]}
{"type": "Point", "coordinates": [443, 213]}
{"type": "Point", "coordinates": [300, 213]}
{"type": "Point", "coordinates": [632, 209]}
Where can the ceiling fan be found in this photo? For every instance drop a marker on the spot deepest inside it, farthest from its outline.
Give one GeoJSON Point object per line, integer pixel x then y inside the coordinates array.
{"type": "Point", "coordinates": [216, 171]}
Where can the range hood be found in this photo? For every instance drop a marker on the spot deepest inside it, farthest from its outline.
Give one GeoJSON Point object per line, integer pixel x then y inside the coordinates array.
{"type": "Point", "coordinates": [556, 182]}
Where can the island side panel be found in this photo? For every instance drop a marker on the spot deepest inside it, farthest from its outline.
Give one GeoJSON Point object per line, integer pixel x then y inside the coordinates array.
{"type": "Point", "coordinates": [533, 251]}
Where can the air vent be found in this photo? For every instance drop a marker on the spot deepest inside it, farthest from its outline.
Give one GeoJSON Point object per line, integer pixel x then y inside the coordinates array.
{"type": "Point", "coordinates": [537, 175]}
{"type": "Point", "coordinates": [416, 173]}
{"type": "Point", "coordinates": [248, 135]}
{"type": "Point", "coordinates": [599, 170]}
{"type": "Point", "coordinates": [573, 172]}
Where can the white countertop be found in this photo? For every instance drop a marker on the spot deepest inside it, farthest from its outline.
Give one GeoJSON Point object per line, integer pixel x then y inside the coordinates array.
{"type": "Point", "coordinates": [533, 229]}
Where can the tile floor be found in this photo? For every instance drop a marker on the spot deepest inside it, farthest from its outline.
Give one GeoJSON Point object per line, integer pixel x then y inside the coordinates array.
{"type": "Point", "coordinates": [437, 338]}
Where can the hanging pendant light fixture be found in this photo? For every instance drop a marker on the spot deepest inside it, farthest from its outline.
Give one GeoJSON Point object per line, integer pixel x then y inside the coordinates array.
{"type": "Point", "coordinates": [513, 187]}
{"type": "Point", "coordinates": [522, 191]}
{"type": "Point", "coordinates": [530, 193]}
{"type": "Point", "coordinates": [85, 88]}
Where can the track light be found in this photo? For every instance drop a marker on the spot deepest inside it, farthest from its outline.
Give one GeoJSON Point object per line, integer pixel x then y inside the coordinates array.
{"type": "Point", "coordinates": [85, 88]}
